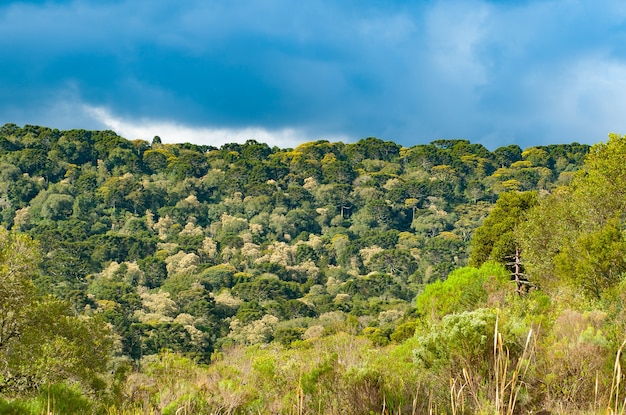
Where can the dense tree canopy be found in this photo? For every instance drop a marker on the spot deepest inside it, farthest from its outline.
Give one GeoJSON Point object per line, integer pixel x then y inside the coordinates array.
{"type": "Point", "coordinates": [194, 249]}
{"type": "Point", "coordinates": [282, 220]}
{"type": "Point", "coordinates": [575, 235]}
{"type": "Point", "coordinates": [41, 339]}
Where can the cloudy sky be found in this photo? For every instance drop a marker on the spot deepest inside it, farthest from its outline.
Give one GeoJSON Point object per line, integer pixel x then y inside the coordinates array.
{"type": "Point", "coordinates": [284, 72]}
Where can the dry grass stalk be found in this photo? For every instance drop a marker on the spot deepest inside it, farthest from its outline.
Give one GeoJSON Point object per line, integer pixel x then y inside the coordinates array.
{"type": "Point", "coordinates": [457, 397]}
{"type": "Point", "coordinates": [496, 361]}
{"type": "Point", "coordinates": [596, 388]}
{"type": "Point", "coordinates": [615, 386]}
{"type": "Point", "coordinates": [508, 387]}
{"type": "Point", "coordinates": [414, 409]}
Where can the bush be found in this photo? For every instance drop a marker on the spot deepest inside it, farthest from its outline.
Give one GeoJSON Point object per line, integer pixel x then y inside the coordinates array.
{"type": "Point", "coordinates": [404, 331]}
{"type": "Point", "coordinates": [59, 398]}
{"type": "Point", "coordinates": [465, 289]}
{"type": "Point", "coordinates": [459, 341]}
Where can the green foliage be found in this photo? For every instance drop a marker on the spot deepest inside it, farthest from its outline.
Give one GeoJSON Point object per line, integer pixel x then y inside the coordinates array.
{"type": "Point", "coordinates": [464, 289]}
{"type": "Point", "coordinates": [19, 259]}
{"type": "Point", "coordinates": [584, 248]}
{"type": "Point", "coordinates": [459, 341]}
{"type": "Point", "coordinates": [395, 262]}
{"type": "Point", "coordinates": [154, 271]}
{"type": "Point", "coordinates": [155, 160]}
{"type": "Point", "coordinates": [41, 340]}
{"type": "Point", "coordinates": [286, 336]}
{"type": "Point", "coordinates": [265, 288]}
{"type": "Point", "coordinates": [595, 261]}
{"type": "Point", "coordinates": [57, 207]}
{"type": "Point", "coordinates": [404, 331]}
{"type": "Point", "coordinates": [505, 156]}
{"type": "Point", "coordinates": [495, 240]}
{"type": "Point", "coordinates": [57, 399]}
{"type": "Point", "coordinates": [191, 248]}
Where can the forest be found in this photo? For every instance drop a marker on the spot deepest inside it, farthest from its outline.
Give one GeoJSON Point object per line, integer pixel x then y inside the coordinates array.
{"type": "Point", "coordinates": [138, 277]}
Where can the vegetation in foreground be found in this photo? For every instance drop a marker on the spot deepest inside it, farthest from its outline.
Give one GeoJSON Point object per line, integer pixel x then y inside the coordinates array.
{"type": "Point", "coordinates": [108, 311]}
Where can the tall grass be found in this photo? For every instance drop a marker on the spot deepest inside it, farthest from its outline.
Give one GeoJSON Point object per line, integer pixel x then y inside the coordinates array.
{"type": "Point", "coordinates": [616, 405]}
{"type": "Point", "coordinates": [305, 382]}
{"type": "Point", "coordinates": [506, 383]}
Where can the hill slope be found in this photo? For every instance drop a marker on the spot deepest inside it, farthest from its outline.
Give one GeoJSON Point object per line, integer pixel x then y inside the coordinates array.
{"type": "Point", "coordinates": [195, 249]}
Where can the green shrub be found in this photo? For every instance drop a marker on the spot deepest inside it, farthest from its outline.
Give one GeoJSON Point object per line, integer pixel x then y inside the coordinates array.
{"type": "Point", "coordinates": [58, 398]}
{"type": "Point", "coordinates": [185, 404]}
{"type": "Point", "coordinates": [459, 341]}
{"type": "Point", "coordinates": [66, 399]}
{"type": "Point", "coordinates": [465, 289]}
{"type": "Point", "coordinates": [19, 407]}
{"type": "Point", "coordinates": [404, 331]}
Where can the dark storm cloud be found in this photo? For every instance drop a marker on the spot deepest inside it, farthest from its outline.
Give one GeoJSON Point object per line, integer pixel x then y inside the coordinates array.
{"type": "Point", "coordinates": [494, 72]}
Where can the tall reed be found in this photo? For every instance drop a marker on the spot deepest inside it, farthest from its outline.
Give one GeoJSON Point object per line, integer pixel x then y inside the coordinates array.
{"type": "Point", "coordinates": [506, 384]}
{"type": "Point", "coordinates": [615, 406]}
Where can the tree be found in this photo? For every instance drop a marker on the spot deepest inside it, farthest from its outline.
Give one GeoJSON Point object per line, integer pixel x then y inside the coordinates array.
{"type": "Point", "coordinates": [464, 289]}
{"type": "Point", "coordinates": [372, 148]}
{"type": "Point", "coordinates": [188, 164]}
{"type": "Point", "coordinates": [595, 261]}
{"type": "Point", "coordinates": [495, 239]}
{"type": "Point", "coordinates": [115, 190]}
{"type": "Point", "coordinates": [585, 243]}
{"type": "Point", "coordinates": [56, 346]}
{"type": "Point", "coordinates": [601, 191]}
{"type": "Point", "coordinates": [19, 259]}
{"type": "Point", "coordinates": [155, 161]}
{"type": "Point", "coordinates": [537, 156]}
{"type": "Point", "coordinates": [154, 269]}
{"type": "Point", "coordinates": [267, 287]}
{"type": "Point", "coordinates": [57, 207]}
{"type": "Point", "coordinates": [42, 341]}
{"type": "Point", "coordinates": [122, 160]}
{"type": "Point", "coordinates": [337, 171]}
{"type": "Point", "coordinates": [431, 224]}
{"type": "Point", "coordinates": [397, 262]}
{"type": "Point", "coordinates": [412, 203]}
{"type": "Point", "coordinates": [505, 156]}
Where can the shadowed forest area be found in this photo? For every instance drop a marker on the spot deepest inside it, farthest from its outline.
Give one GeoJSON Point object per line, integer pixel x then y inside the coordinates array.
{"type": "Point", "coordinates": [139, 277]}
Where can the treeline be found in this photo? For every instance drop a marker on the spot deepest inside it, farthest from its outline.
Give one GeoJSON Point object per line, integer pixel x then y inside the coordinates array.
{"type": "Point", "coordinates": [196, 250]}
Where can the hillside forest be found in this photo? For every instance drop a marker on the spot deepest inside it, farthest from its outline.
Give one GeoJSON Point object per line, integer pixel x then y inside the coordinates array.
{"type": "Point", "coordinates": [138, 277]}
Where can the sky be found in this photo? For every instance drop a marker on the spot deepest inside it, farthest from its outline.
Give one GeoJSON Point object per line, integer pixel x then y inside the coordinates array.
{"type": "Point", "coordinates": [285, 72]}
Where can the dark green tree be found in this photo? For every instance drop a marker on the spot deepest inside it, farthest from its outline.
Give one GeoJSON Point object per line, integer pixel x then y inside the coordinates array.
{"type": "Point", "coordinates": [495, 239]}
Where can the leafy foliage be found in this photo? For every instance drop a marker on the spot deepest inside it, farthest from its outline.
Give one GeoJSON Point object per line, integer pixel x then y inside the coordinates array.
{"type": "Point", "coordinates": [462, 290]}
{"type": "Point", "coordinates": [41, 340]}
{"type": "Point", "coordinates": [584, 247]}
{"type": "Point", "coordinates": [247, 279]}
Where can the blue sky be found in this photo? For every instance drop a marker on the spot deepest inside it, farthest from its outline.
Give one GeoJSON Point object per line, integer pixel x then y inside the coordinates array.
{"type": "Point", "coordinates": [284, 72]}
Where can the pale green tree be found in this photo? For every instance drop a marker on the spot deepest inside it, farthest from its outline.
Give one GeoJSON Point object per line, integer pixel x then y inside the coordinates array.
{"type": "Point", "coordinates": [19, 259]}
{"type": "Point", "coordinates": [42, 341]}
{"type": "Point", "coordinates": [575, 235]}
